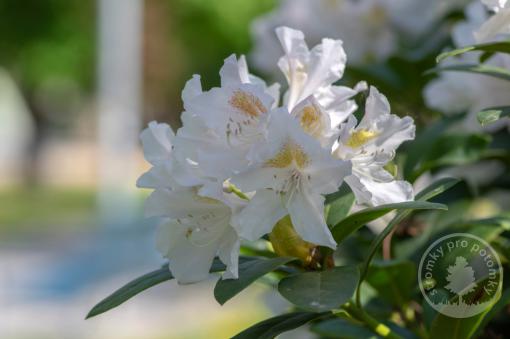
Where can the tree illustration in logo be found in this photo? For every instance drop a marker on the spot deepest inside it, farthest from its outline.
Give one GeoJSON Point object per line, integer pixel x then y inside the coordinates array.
{"type": "Point", "coordinates": [461, 278]}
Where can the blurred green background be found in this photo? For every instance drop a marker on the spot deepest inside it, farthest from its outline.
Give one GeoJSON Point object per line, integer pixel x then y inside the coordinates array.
{"type": "Point", "coordinates": [59, 256]}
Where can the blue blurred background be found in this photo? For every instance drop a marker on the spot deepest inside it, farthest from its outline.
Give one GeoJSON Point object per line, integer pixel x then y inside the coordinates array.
{"type": "Point", "coordinates": [78, 81]}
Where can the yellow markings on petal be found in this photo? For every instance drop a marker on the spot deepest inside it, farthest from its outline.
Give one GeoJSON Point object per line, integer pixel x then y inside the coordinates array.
{"type": "Point", "coordinates": [309, 118]}
{"type": "Point", "coordinates": [289, 154]}
{"type": "Point", "coordinates": [247, 104]}
{"type": "Point", "coordinates": [360, 138]}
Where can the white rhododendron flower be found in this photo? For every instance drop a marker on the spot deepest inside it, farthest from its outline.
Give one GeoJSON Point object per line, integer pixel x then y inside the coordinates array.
{"type": "Point", "coordinates": [242, 161]}
{"type": "Point", "coordinates": [369, 29]}
{"type": "Point", "coordinates": [198, 228]}
{"type": "Point", "coordinates": [196, 224]}
{"type": "Point", "coordinates": [497, 24]}
{"type": "Point", "coordinates": [291, 172]}
{"type": "Point", "coordinates": [311, 97]}
{"type": "Point", "coordinates": [363, 26]}
{"type": "Point", "coordinates": [307, 70]}
{"type": "Point", "coordinates": [455, 92]}
{"type": "Point", "coordinates": [220, 125]}
{"type": "Point", "coordinates": [370, 145]}
{"type": "Point", "coordinates": [418, 17]}
{"type": "Point", "coordinates": [496, 5]}
{"type": "Point", "coordinates": [157, 141]}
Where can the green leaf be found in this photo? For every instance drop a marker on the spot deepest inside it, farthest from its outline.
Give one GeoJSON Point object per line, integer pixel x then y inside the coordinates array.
{"type": "Point", "coordinates": [453, 150]}
{"type": "Point", "coordinates": [142, 283]}
{"type": "Point", "coordinates": [320, 291]}
{"type": "Point", "coordinates": [498, 307]}
{"type": "Point", "coordinates": [394, 280]}
{"type": "Point", "coordinates": [250, 271]}
{"type": "Point", "coordinates": [416, 149]}
{"type": "Point", "coordinates": [342, 328]}
{"type": "Point", "coordinates": [493, 47]}
{"type": "Point", "coordinates": [338, 205]}
{"type": "Point", "coordinates": [491, 115]}
{"type": "Point", "coordinates": [131, 289]}
{"type": "Point", "coordinates": [272, 327]}
{"type": "Point", "coordinates": [356, 220]}
{"type": "Point", "coordinates": [456, 328]}
{"type": "Point", "coordinates": [493, 71]}
{"type": "Point", "coordinates": [428, 193]}
{"type": "Point", "coordinates": [436, 188]}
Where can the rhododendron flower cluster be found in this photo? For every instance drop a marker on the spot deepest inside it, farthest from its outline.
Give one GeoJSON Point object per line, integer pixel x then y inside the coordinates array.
{"type": "Point", "coordinates": [247, 156]}
{"type": "Point", "coordinates": [371, 30]}
{"type": "Point", "coordinates": [454, 92]}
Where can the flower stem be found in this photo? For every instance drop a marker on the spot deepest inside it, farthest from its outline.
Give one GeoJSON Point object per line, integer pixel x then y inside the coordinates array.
{"type": "Point", "coordinates": [373, 324]}
{"type": "Point", "coordinates": [237, 192]}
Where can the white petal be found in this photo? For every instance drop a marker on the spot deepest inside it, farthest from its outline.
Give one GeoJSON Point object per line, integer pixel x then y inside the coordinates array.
{"type": "Point", "coordinates": [180, 204]}
{"type": "Point", "coordinates": [376, 193]}
{"type": "Point", "coordinates": [274, 92]}
{"type": "Point", "coordinates": [327, 176]}
{"type": "Point", "coordinates": [159, 176]}
{"type": "Point", "coordinates": [229, 253]}
{"type": "Point", "coordinates": [307, 71]}
{"type": "Point", "coordinates": [362, 195]}
{"type": "Point", "coordinates": [496, 5]}
{"type": "Point", "coordinates": [192, 89]}
{"type": "Point", "coordinates": [157, 142]}
{"type": "Point", "coordinates": [377, 105]}
{"type": "Point", "coordinates": [217, 111]}
{"type": "Point", "coordinates": [394, 131]}
{"type": "Point", "coordinates": [260, 177]}
{"type": "Point", "coordinates": [391, 131]}
{"type": "Point", "coordinates": [234, 72]}
{"type": "Point", "coordinates": [264, 210]}
{"type": "Point", "coordinates": [498, 24]}
{"type": "Point", "coordinates": [222, 164]}
{"type": "Point", "coordinates": [327, 65]}
{"type": "Point", "coordinates": [292, 41]}
{"type": "Point", "coordinates": [450, 93]}
{"type": "Point", "coordinates": [188, 263]}
{"type": "Point", "coordinates": [335, 100]}
{"type": "Point", "coordinates": [307, 214]}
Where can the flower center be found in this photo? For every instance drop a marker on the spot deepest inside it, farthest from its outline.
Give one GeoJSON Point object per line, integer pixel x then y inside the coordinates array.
{"type": "Point", "coordinates": [247, 104]}
{"type": "Point", "coordinates": [309, 119]}
{"type": "Point", "coordinates": [359, 138]}
{"type": "Point", "coordinates": [289, 154]}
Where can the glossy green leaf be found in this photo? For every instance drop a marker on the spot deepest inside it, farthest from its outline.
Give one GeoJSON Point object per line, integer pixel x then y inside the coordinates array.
{"type": "Point", "coordinates": [497, 308]}
{"type": "Point", "coordinates": [338, 205]}
{"type": "Point", "coordinates": [436, 188]}
{"type": "Point", "coordinates": [418, 148]}
{"type": "Point", "coordinates": [356, 220]}
{"type": "Point", "coordinates": [394, 280]}
{"type": "Point", "coordinates": [272, 327]}
{"type": "Point", "coordinates": [456, 328]}
{"type": "Point", "coordinates": [453, 150]}
{"type": "Point", "coordinates": [342, 328]}
{"type": "Point", "coordinates": [492, 71]}
{"type": "Point", "coordinates": [142, 283]}
{"type": "Point", "coordinates": [491, 115]}
{"type": "Point", "coordinates": [320, 291]}
{"type": "Point", "coordinates": [428, 193]}
{"type": "Point", "coordinates": [492, 47]}
{"type": "Point", "coordinates": [249, 272]}
{"type": "Point", "coordinates": [131, 289]}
